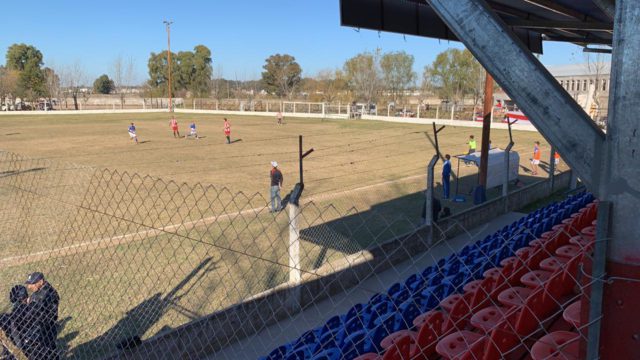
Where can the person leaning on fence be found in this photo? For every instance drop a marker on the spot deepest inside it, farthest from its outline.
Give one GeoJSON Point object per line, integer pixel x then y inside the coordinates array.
{"type": "Point", "coordinates": [276, 185]}
{"type": "Point", "coordinates": [446, 176]}
{"type": "Point", "coordinates": [44, 301]}
{"type": "Point", "coordinates": [21, 326]}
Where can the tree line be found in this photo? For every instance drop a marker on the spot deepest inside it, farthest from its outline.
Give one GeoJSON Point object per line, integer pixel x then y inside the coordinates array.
{"type": "Point", "coordinates": [366, 77]}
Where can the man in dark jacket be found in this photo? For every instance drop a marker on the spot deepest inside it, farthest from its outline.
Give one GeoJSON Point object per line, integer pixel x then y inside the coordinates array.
{"type": "Point", "coordinates": [44, 302]}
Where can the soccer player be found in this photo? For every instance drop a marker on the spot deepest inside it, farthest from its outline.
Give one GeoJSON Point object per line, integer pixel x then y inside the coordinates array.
{"type": "Point", "coordinates": [193, 132]}
{"type": "Point", "coordinates": [536, 158]}
{"type": "Point", "coordinates": [227, 130]}
{"type": "Point", "coordinates": [279, 116]}
{"type": "Point", "coordinates": [132, 133]}
{"type": "Point", "coordinates": [174, 126]}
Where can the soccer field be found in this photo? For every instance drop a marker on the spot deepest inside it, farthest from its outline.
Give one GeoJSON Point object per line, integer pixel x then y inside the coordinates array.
{"type": "Point", "coordinates": [136, 255]}
{"type": "Point", "coordinates": [348, 154]}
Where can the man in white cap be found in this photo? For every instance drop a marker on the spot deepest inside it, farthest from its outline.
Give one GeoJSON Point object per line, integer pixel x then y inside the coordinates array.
{"type": "Point", "coordinates": [276, 185]}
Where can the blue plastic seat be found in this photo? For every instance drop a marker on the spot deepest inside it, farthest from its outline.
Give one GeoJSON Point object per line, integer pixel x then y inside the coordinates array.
{"type": "Point", "coordinates": [301, 354]}
{"type": "Point", "coordinates": [278, 353]}
{"type": "Point", "coordinates": [332, 325]}
{"type": "Point", "coordinates": [332, 353]}
{"type": "Point", "coordinates": [308, 338]}
{"type": "Point", "coordinates": [353, 312]}
{"type": "Point", "coordinates": [356, 344]}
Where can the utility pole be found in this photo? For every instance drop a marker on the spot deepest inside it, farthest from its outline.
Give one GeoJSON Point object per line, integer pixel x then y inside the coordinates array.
{"type": "Point", "coordinates": [168, 26]}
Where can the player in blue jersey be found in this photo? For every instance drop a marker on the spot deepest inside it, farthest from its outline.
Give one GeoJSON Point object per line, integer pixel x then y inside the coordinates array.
{"type": "Point", "coordinates": [193, 132]}
{"type": "Point", "coordinates": [132, 133]}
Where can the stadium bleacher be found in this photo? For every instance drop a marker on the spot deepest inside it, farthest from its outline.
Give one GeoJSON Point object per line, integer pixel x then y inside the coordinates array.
{"type": "Point", "coordinates": [515, 293]}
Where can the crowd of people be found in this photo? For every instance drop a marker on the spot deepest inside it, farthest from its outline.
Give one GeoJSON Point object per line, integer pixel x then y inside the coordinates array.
{"type": "Point", "coordinates": [32, 323]}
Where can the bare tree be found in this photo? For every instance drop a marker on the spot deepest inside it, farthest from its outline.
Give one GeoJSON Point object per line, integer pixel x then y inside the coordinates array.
{"type": "Point", "coordinates": [122, 74]}
{"type": "Point", "coordinates": [72, 78]}
{"type": "Point", "coordinates": [597, 67]}
{"type": "Point", "coordinates": [363, 75]}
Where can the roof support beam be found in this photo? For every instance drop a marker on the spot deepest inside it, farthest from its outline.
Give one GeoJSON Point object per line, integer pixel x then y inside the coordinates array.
{"type": "Point", "coordinates": [551, 110]}
{"type": "Point", "coordinates": [557, 8]}
{"type": "Point", "coordinates": [565, 25]}
{"type": "Point", "coordinates": [607, 6]}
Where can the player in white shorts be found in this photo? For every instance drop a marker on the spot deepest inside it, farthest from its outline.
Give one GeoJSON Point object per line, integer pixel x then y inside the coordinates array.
{"type": "Point", "coordinates": [132, 133]}
{"type": "Point", "coordinates": [192, 129]}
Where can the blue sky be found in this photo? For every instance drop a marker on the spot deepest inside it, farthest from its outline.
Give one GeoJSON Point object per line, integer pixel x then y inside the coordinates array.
{"type": "Point", "coordinates": [240, 34]}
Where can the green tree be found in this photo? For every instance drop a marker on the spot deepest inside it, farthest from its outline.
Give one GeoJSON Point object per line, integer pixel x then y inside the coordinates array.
{"type": "Point", "coordinates": [190, 70]}
{"type": "Point", "coordinates": [363, 75]}
{"type": "Point", "coordinates": [281, 75]}
{"type": "Point", "coordinates": [200, 84]}
{"type": "Point", "coordinates": [27, 61]}
{"type": "Point", "coordinates": [455, 74]}
{"type": "Point", "coordinates": [397, 73]}
{"type": "Point", "coordinates": [103, 85]}
{"type": "Point", "coordinates": [331, 84]}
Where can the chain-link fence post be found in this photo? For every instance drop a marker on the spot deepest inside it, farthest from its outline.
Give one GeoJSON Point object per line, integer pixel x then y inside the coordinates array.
{"type": "Point", "coordinates": [429, 200]}
{"type": "Point", "coordinates": [295, 274]}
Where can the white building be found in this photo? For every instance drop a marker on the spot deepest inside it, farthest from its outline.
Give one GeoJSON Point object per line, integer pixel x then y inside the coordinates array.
{"type": "Point", "coordinates": [587, 83]}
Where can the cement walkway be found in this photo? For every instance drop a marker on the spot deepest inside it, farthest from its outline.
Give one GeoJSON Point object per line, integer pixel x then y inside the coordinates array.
{"type": "Point", "coordinates": [285, 331]}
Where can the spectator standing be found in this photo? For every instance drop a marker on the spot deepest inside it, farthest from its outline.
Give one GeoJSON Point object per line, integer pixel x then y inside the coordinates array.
{"type": "Point", "coordinates": [276, 185]}
{"type": "Point", "coordinates": [279, 117]}
{"type": "Point", "coordinates": [227, 130]}
{"type": "Point", "coordinates": [446, 176]}
{"type": "Point", "coordinates": [44, 301]}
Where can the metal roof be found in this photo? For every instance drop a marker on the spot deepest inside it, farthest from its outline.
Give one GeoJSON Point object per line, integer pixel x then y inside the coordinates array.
{"type": "Point", "coordinates": [600, 68]}
{"type": "Point", "coordinates": [577, 21]}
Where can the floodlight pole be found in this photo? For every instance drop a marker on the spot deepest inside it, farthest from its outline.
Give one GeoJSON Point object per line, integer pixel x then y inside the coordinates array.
{"type": "Point", "coordinates": [168, 26]}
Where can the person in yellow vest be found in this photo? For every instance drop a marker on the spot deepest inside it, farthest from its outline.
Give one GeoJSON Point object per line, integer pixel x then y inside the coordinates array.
{"type": "Point", "coordinates": [472, 148]}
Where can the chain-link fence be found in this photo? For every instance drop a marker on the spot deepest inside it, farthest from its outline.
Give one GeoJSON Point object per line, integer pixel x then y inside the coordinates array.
{"type": "Point", "coordinates": [155, 269]}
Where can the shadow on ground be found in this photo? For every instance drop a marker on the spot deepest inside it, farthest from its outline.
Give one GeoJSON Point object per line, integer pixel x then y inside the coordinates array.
{"type": "Point", "coordinates": [128, 331]}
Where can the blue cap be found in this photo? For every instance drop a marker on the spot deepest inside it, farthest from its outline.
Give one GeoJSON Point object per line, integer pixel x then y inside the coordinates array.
{"type": "Point", "coordinates": [34, 278]}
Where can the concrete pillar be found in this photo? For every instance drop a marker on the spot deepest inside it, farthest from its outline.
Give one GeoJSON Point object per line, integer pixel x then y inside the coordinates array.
{"type": "Point", "coordinates": [620, 185]}
{"type": "Point", "coordinates": [295, 274]}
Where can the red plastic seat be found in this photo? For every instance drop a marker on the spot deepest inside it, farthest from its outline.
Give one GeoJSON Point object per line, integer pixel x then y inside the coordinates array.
{"type": "Point", "coordinates": [553, 263]}
{"type": "Point", "coordinates": [505, 261]}
{"type": "Point", "coordinates": [457, 345]}
{"type": "Point", "coordinates": [391, 339]}
{"type": "Point", "coordinates": [535, 278]}
{"type": "Point", "coordinates": [404, 349]}
{"type": "Point", "coordinates": [568, 251]}
{"type": "Point", "coordinates": [514, 296]}
{"type": "Point", "coordinates": [536, 243]}
{"type": "Point", "coordinates": [424, 342]}
{"type": "Point", "coordinates": [563, 345]}
{"type": "Point", "coordinates": [488, 318]}
{"type": "Point", "coordinates": [594, 222]}
{"type": "Point", "coordinates": [589, 231]}
{"type": "Point", "coordinates": [584, 242]}
{"type": "Point", "coordinates": [572, 314]}
{"type": "Point", "coordinates": [493, 273]}
{"type": "Point", "coordinates": [471, 286]}
{"type": "Point", "coordinates": [450, 301]}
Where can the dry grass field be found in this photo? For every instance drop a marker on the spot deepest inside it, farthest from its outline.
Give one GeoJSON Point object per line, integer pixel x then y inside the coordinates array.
{"type": "Point", "coordinates": [133, 254]}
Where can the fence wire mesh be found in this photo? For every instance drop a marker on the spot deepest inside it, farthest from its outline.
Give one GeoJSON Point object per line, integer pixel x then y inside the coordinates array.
{"type": "Point", "coordinates": [147, 268]}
